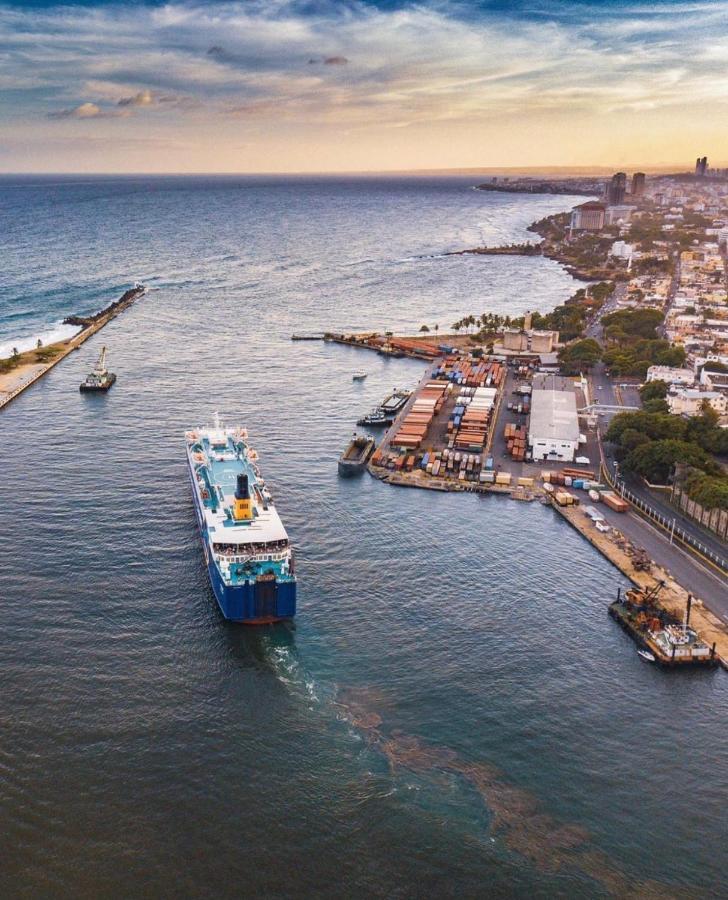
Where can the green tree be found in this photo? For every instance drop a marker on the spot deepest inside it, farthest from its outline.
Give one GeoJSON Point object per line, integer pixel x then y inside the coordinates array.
{"type": "Point", "coordinates": [654, 390]}
{"type": "Point", "coordinates": [655, 460]}
{"type": "Point", "coordinates": [582, 354]}
{"type": "Point", "coordinates": [424, 328]}
{"type": "Point", "coordinates": [656, 406]}
{"type": "Point", "coordinates": [709, 491]}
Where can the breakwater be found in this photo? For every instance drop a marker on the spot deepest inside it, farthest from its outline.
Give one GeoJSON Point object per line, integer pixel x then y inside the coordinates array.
{"type": "Point", "coordinates": [28, 372]}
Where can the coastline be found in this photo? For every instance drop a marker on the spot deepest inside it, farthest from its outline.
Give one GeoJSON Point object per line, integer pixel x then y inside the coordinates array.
{"type": "Point", "coordinates": [30, 369]}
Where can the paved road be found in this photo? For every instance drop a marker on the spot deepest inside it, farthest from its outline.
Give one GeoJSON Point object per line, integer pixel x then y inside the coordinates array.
{"type": "Point", "coordinates": [663, 507]}
{"type": "Point", "coordinates": [674, 285]}
{"type": "Point", "coordinates": [702, 581]}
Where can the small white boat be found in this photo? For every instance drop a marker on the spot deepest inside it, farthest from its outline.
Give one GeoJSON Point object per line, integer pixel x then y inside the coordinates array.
{"type": "Point", "coordinates": [359, 376]}
{"type": "Point", "coordinates": [646, 655]}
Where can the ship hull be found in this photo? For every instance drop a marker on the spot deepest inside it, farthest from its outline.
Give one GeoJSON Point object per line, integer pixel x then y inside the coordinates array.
{"type": "Point", "coordinates": [257, 603]}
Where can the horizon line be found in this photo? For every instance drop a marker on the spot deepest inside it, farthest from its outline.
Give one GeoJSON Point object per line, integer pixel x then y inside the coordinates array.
{"type": "Point", "coordinates": [596, 169]}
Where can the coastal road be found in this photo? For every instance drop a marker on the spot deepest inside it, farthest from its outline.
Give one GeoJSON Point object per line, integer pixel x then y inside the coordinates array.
{"type": "Point", "coordinates": [664, 508]}
{"type": "Point", "coordinates": [702, 581]}
{"type": "Point", "coordinates": [595, 329]}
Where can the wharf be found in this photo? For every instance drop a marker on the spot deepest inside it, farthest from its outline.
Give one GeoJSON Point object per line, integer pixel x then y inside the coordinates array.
{"type": "Point", "coordinates": [625, 618]}
{"type": "Point", "coordinates": [27, 373]}
{"type": "Point", "coordinates": [389, 345]}
{"type": "Point", "coordinates": [673, 598]}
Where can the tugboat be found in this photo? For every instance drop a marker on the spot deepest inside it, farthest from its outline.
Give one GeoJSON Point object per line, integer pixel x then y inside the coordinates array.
{"type": "Point", "coordinates": [383, 416]}
{"type": "Point", "coordinates": [354, 459]}
{"type": "Point", "coordinates": [100, 379]}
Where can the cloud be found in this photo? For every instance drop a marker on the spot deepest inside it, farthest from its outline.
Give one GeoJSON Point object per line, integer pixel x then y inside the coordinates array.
{"type": "Point", "coordinates": [143, 98]}
{"type": "Point", "coordinates": [417, 64]}
{"type": "Point", "coordinates": [328, 61]}
{"type": "Point", "coordinates": [83, 111]}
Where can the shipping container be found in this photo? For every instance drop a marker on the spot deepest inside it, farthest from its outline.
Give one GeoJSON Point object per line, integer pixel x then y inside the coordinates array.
{"type": "Point", "coordinates": [614, 502]}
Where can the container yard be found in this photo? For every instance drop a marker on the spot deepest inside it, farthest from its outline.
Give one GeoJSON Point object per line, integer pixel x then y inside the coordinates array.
{"type": "Point", "coordinates": [444, 431]}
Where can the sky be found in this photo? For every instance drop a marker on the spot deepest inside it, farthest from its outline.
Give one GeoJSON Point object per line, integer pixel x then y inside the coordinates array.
{"type": "Point", "coordinates": [323, 86]}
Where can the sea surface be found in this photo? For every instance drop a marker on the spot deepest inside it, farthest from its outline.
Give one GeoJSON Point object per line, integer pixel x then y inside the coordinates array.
{"type": "Point", "coordinates": [452, 714]}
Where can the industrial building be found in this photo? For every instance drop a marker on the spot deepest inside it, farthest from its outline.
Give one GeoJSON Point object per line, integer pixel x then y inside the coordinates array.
{"type": "Point", "coordinates": [553, 431]}
{"type": "Point", "coordinates": [515, 339]}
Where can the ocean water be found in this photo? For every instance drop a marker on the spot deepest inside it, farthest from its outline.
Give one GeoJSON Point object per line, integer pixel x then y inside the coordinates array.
{"type": "Point", "coordinates": [452, 712]}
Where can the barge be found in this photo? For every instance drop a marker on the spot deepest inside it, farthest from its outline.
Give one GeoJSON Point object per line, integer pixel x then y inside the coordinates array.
{"type": "Point", "coordinates": [672, 643]}
{"type": "Point", "coordinates": [384, 415]}
{"type": "Point", "coordinates": [354, 459]}
{"type": "Point", "coordinates": [248, 555]}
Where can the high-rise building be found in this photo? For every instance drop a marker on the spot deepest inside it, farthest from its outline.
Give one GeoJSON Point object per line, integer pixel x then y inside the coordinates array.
{"type": "Point", "coordinates": [588, 216]}
{"type": "Point", "coordinates": [617, 188]}
{"type": "Point", "coordinates": [638, 184]}
{"type": "Point", "coordinates": [701, 166]}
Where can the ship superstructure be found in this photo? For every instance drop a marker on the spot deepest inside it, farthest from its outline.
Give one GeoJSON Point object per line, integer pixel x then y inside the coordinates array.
{"type": "Point", "coordinates": [248, 554]}
{"type": "Point", "coordinates": [100, 379]}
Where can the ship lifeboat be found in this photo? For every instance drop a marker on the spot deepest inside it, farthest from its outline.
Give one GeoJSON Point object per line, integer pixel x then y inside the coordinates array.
{"type": "Point", "coordinates": [252, 455]}
{"type": "Point", "coordinates": [242, 433]}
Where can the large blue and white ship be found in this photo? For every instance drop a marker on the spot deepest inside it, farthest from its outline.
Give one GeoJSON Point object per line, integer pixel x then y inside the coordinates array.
{"type": "Point", "coordinates": [248, 554]}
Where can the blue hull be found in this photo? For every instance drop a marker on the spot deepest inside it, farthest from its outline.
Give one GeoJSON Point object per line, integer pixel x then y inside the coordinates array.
{"type": "Point", "coordinates": [252, 604]}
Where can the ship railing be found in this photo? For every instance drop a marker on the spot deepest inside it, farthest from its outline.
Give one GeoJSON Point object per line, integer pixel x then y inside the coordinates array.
{"type": "Point", "coordinates": [234, 558]}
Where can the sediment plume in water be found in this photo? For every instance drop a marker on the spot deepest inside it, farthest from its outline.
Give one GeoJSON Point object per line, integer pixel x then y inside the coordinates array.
{"type": "Point", "coordinates": [517, 820]}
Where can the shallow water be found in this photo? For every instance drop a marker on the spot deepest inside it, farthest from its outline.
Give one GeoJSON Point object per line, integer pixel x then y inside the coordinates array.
{"type": "Point", "coordinates": [452, 712]}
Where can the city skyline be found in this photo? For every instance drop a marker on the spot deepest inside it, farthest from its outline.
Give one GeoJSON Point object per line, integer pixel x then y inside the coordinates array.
{"type": "Point", "coordinates": [336, 87]}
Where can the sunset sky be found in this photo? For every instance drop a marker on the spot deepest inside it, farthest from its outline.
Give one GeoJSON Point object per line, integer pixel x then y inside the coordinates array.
{"type": "Point", "coordinates": [279, 86]}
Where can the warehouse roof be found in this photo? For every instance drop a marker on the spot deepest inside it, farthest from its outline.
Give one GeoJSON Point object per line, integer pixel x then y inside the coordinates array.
{"type": "Point", "coordinates": [553, 410]}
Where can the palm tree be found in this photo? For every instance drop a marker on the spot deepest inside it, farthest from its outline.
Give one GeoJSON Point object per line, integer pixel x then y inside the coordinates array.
{"type": "Point", "coordinates": [424, 328]}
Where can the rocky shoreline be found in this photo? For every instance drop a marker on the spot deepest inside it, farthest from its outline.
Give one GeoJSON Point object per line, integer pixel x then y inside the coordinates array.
{"type": "Point", "coordinates": [539, 187]}
{"type": "Point", "coordinates": [551, 249]}
{"type": "Point", "coordinates": [125, 300]}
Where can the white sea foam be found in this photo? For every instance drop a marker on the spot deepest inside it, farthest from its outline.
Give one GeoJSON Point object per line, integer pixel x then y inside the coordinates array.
{"type": "Point", "coordinates": [58, 332]}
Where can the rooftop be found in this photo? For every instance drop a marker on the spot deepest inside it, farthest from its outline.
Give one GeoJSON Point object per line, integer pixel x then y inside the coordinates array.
{"type": "Point", "coordinates": [553, 409]}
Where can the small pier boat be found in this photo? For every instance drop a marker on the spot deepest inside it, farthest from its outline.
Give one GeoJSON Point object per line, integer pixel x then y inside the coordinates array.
{"type": "Point", "coordinates": [100, 379]}
{"type": "Point", "coordinates": [354, 459]}
{"type": "Point", "coordinates": [383, 416]}
{"type": "Point", "coordinates": [359, 376]}
{"type": "Point", "coordinates": [646, 655]}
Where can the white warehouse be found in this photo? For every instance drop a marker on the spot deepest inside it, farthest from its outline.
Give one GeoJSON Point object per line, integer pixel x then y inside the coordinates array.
{"type": "Point", "coordinates": [553, 431]}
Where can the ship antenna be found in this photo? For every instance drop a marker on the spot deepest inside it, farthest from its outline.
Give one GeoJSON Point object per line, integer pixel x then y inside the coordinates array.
{"type": "Point", "coordinates": [217, 421]}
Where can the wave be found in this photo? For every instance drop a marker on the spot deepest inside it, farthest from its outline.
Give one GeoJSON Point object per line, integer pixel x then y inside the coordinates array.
{"type": "Point", "coordinates": [423, 256]}
{"type": "Point", "coordinates": [58, 332]}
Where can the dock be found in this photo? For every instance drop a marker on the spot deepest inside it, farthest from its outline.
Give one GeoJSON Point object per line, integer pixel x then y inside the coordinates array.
{"type": "Point", "coordinates": [31, 370]}
{"type": "Point", "coordinates": [463, 430]}
{"type": "Point", "coordinates": [388, 345]}
{"type": "Point", "coordinates": [673, 598]}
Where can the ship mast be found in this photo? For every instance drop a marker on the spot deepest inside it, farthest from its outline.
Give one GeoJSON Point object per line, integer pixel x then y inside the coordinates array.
{"type": "Point", "coordinates": [101, 364]}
